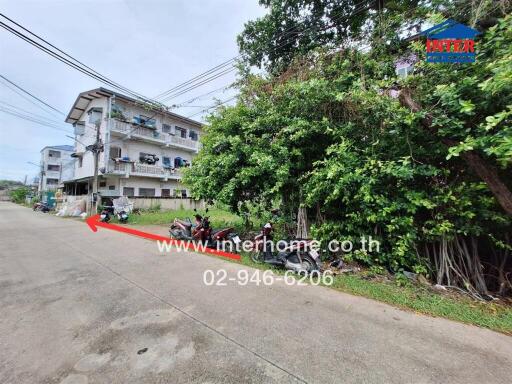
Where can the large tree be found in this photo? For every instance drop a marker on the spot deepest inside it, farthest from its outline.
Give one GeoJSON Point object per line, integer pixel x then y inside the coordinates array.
{"type": "Point", "coordinates": [420, 172]}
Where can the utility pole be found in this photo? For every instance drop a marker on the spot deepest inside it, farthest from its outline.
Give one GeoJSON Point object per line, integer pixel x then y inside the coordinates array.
{"type": "Point", "coordinates": [96, 148]}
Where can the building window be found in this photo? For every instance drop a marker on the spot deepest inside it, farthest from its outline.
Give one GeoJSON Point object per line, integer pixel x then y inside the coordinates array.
{"type": "Point", "coordinates": [193, 135]}
{"type": "Point", "coordinates": [128, 191]}
{"type": "Point", "coordinates": [166, 161]}
{"type": "Point", "coordinates": [52, 167]}
{"type": "Point", "coordinates": [111, 187]}
{"type": "Point", "coordinates": [147, 192]}
{"type": "Point", "coordinates": [80, 161]}
{"type": "Point", "coordinates": [181, 132]}
{"type": "Point", "coordinates": [54, 154]}
{"type": "Point", "coordinates": [115, 152]}
{"type": "Point", "coordinates": [103, 184]}
{"type": "Point", "coordinates": [183, 193]}
{"type": "Point", "coordinates": [52, 181]}
{"type": "Point", "coordinates": [95, 115]}
{"type": "Point", "coordinates": [166, 192]}
{"type": "Point", "coordinates": [166, 128]}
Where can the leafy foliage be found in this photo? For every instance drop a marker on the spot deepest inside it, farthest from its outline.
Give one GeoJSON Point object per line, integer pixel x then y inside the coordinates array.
{"type": "Point", "coordinates": [327, 134]}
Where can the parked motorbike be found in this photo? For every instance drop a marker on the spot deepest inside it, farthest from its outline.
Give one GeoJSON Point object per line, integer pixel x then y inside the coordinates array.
{"type": "Point", "coordinates": [185, 230]}
{"type": "Point", "coordinates": [202, 231]}
{"type": "Point", "coordinates": [219, 237]}
{"type": "Point", "coordinates": [106, 214]}
{"type": "Point", "coordinates": [296, 255]}
{"type": "Point", "coordinates": [110, 211]}
{"type": "Point", "coordinates": [41, 206]}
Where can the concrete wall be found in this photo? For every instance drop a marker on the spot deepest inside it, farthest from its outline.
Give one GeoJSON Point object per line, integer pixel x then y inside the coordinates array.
{"type": "Point", "coordinates": [167, 203]}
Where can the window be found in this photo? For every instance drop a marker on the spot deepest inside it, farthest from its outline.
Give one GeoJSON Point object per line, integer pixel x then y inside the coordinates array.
{"type": "Point", "coordinates": [52, 181]}
{"type": "Point", "coordinates": [183, 193]}
{"type": "Point", "coordinates": [111, 187]}
{"type": "Point", "coordinates": [52, 167]}
{"type": "Point", "coordinates": [148, 192]}
{"type": "Point", "coordinates": [166, 161]}
{"type": "Point", "coordinates": [182, 132]}
{"type": "Point", "coordinates": [103, 184]}
{"type": "Point", "coordinates": [95, 115]}
{"type": "Point", "coordinates": [54, 154]}
{"type": "Point", "coordinates": [166, 192]}
{"type": "Point", "coordinates": [166, 128]}
{"type": "Point", "coordinates": [144, 120]}
{"type": "Point", "coordinates": [80, 128]}
{"type": "Point", "coordinates": [128, 191]}
{"type": "Point", "coordinates": [80, 161]}
{"type": "Point", "coordinates": [115, 152]}
{"type": "Point", "coordinates": [193, 135]}
{"type": "Point", "coordinates": [178, 162]}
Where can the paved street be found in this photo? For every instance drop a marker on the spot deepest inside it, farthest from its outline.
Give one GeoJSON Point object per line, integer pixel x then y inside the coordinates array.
{"type": "Point", "coordinates": [82, 307]}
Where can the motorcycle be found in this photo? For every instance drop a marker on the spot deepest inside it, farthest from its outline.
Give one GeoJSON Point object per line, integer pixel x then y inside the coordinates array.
{"type": "Point", "coordinates": [202, 231]}
{"type": "Point", "coordinates": [185, 230]}
{"type": "Point", "coordinates": [109, 211]}
{"type": "Point", "coordinates": [41, 206]}
{"type": "Point", "coordinates": [296, 255]}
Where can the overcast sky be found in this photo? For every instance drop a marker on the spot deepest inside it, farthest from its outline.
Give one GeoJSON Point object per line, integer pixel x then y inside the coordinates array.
{"type": "Point", "coordinates": [147, 46]}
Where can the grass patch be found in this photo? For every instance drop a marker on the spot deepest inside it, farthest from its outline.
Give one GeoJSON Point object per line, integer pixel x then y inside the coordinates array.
{"type": "Point", "coordinates": [218, 218]}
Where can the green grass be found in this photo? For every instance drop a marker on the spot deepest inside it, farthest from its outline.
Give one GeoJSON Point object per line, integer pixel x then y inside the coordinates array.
{"type": "Point", "coordinates": [218, 218]}
{"type": "Point", "coordinates": [411, 297]}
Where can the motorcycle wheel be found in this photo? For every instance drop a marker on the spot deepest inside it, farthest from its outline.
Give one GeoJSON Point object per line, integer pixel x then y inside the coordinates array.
{"type": "Point", "coordinates": [257, 256]}
{"type": "Point", "coordinates": [308, 264]}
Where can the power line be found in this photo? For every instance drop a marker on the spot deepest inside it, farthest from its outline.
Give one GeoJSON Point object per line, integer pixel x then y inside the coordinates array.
{"type": "Point", "coordinates": [30, 113]}
{"type": "Point", "coordinates": [31, 118]}
{"type": "Point", "coordinates": [74, 63]}
{"type": "Point", "coordinates": [207, 80]}
{"type": "Point", "coordinates": [213, 106]}
{"type": "Point", "coordinates": [189, 84]}
{"type": "Point", "coordinates": [31, 95]}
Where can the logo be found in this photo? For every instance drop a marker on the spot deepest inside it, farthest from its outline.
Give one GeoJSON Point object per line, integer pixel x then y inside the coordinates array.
{"type": "Point", "coordinates": [450, 42]}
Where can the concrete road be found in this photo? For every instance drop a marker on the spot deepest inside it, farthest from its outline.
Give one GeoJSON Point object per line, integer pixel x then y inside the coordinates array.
{"type": "Point", "coordinates": [82, 307]}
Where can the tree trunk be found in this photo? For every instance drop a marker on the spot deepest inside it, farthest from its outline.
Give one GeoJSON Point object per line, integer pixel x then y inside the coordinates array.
{"type": "Point", "coordinates": [481, 167]}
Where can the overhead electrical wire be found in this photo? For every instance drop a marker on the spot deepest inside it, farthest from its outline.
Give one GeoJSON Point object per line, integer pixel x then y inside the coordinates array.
{"type": "Point", "coordinates": [70, 60]}
{"type": "Point", "coordinates": [31, 95]}
{"type": "Point", "coordinates": [213, 106]}
{"type": "Point", "coordinates": [31, 118]}
{"type": "Point", "coordinates": [199, 79]}
{"type": "Point", "coordinates": [30, 113]}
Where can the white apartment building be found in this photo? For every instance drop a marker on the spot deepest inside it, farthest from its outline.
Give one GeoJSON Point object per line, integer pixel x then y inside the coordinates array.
{"type": "Point", "coordinates": [144, 150]}
{"type": "Point", "coordinates": [57, 166]}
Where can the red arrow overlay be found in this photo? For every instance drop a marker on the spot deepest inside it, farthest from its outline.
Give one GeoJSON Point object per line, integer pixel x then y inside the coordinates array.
{"type": "Point", "coordinates": [94, 222]}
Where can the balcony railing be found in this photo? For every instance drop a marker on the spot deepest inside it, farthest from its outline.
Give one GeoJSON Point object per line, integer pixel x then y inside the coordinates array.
{"type": "Point", "coordinates": [138, 169]}
{"type": "Point", "coordinates": [153, 135]}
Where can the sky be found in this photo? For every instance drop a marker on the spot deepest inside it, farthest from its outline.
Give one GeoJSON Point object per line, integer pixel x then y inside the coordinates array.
{"type": "Point", "coordinates": [148, 46]}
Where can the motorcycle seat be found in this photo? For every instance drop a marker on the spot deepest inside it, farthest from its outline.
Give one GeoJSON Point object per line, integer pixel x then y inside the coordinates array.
{"type": "Point", "coordinates": [185, 223]}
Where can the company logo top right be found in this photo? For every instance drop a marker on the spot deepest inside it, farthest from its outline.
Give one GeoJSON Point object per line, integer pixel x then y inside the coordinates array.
{"type": "Point", "coordinates": [450, 42]}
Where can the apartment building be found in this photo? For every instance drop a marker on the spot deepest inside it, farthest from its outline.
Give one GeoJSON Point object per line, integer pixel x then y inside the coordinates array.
{"type": "Point", "coordinates": [144, 151]}
{"type": "Point", "coordinates": [57, 166]}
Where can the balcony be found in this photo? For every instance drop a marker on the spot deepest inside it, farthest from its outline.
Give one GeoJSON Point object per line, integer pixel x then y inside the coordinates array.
{"type": "Point", "coordinates": [152, 135]}
{"type": "Point", "coordinates": [144, 170]}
